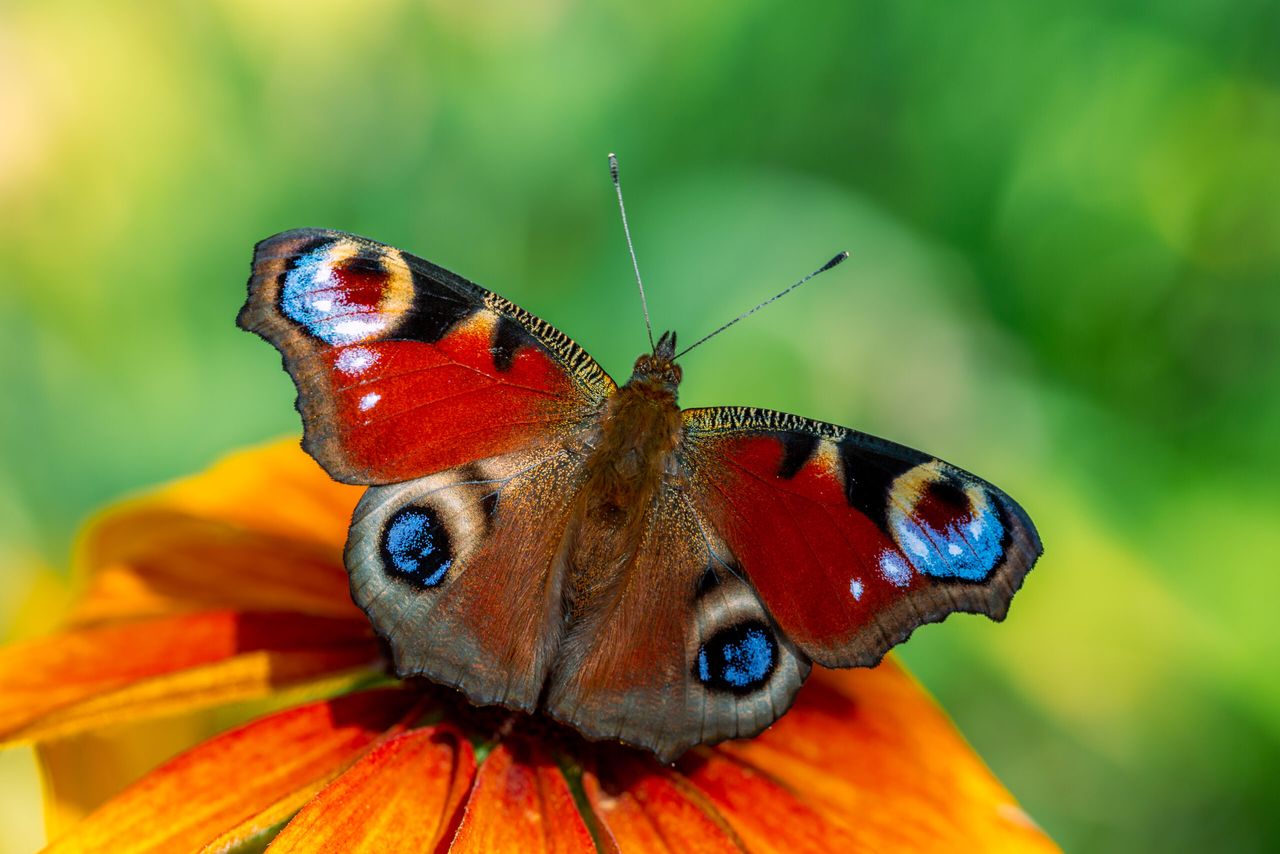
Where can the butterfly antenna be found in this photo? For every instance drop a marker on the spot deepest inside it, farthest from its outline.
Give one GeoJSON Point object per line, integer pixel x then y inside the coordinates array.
{"type": "Point", "coordinates": [824, 268]}
{"type": "Point", "coordinates": [644, 303]}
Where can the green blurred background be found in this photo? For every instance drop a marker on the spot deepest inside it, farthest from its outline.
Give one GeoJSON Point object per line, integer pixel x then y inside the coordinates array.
{"type": "Point", "coordinates": [1064, 222]}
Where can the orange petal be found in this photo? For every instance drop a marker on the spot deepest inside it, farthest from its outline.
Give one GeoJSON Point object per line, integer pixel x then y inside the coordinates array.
{"type": "Point", "coordinates": [262, 530]}
{"type": "Point", "coordinates": [404, 795]}
{"type": "Point", "coordinates": [81, 772]}
{"type": "Point", "coordinates": [765, 815]}
{"type": "Point", "coordinates": [869, 751]}
{"type": "Point", "coordinates": [246, 781]}
{"type": "Point", "coordinates": [276, 488]}
{"type": "Point", "coordinates": [521, 802]}
{"type": "Point", "coordinates": [91, 677]}
{"type": "Point", "coordinates": [147, 561]}
{"type": "Point", "coordinates": [648, 807]}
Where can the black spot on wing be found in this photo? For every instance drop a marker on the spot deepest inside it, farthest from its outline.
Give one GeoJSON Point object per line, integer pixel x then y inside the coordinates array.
{"type": "Point", "coordinates": [737, 659]}
{"type": "Point", "coordinates": [1008, 520]}
{"type": "Point", "coordinates": [708, 581]}
{"type": "Point", "coordinates": [487, 491]}
{"type": "Point", "coordinates": [489, 504]}
{"type": "Point", "coordinates": [797, 448]}
{"type": "Point", "coordinates": [436, 309]}
{"type": "Point", "coordinates": [868, 476]}
{"type": "Point", "coordinates": [415, 547]}
{"type": "Point", "coordinates": [508, 337]}
{"type": "Point", "coordinates": [950, 494]}
{"type": "Point", "coordinates": [369, 261]}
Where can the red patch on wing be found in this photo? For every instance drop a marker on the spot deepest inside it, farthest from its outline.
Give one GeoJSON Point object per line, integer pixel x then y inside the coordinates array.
{"type": "Point", "coordinates": [406, 408]}
{"type": "Point", "coordinates": [816, 561]}
{"type": "Point", "coordinates": [360, 285]}
{"type": "Point", "coordinates": [941, 506]}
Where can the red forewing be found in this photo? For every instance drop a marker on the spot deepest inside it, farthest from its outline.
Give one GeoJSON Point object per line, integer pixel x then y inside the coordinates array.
{"type": "Point", "coordinates": [404, 368]}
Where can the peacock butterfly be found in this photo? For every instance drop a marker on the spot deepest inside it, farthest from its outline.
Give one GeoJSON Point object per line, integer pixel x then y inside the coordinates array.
{"type": "Point", "coordinates": [541, 538]}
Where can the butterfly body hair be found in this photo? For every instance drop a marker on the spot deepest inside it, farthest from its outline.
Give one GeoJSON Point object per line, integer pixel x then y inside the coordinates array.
{"type": "Point", "coordinates": [631, 456]}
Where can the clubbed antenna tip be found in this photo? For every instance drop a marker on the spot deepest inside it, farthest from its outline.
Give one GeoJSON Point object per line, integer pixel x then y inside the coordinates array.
{"type": "Point", "coordinates": [824, 268]}
{"type": "Point", "coordinates": [833, 262]}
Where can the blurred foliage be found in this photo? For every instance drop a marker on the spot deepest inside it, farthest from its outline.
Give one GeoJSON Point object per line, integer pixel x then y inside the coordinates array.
{"type": "Point", "coordinates": [1065, 227]}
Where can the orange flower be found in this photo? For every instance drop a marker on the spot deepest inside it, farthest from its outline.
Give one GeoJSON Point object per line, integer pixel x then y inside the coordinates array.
{"type": "Point", "coordinates": [229, 587]}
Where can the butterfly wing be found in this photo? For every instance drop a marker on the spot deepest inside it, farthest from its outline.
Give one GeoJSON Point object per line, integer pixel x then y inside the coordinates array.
{"type": "Point", "coordinates": [461, 410]}
{"type": "Point", "coordinates": [675, 649]}
{"type": "Point", "coordinates": [460, 571]}
{"type": "Point", "coordinates": [852, 541]}
{"type": "Point", "coordinates": [403, 368]}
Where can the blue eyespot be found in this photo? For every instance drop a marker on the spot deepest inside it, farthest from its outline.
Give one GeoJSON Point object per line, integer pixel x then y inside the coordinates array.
{"type": "Point", "coordinates": [738, 659]}
{"type": "Point", "coordinates": [415, 547]}
{"type": "Point", "coordinates": [317, 295]}
{"type": "Point", "coordinates": [949, 532]}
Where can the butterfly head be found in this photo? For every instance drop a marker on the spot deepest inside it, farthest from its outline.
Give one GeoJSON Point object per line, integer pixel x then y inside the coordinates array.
{"type": "Point", "coordinates": [659, 368]}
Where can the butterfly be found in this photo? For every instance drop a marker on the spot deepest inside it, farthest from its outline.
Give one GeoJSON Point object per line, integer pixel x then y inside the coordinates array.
{"type": "Point", "coordinates": [540, 537]}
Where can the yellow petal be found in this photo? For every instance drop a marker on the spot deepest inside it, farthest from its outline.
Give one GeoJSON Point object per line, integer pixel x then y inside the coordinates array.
{"type": "Point", "coordinates": [261, 530]}
{"type": "Point", "coordinates": [83, 771]}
